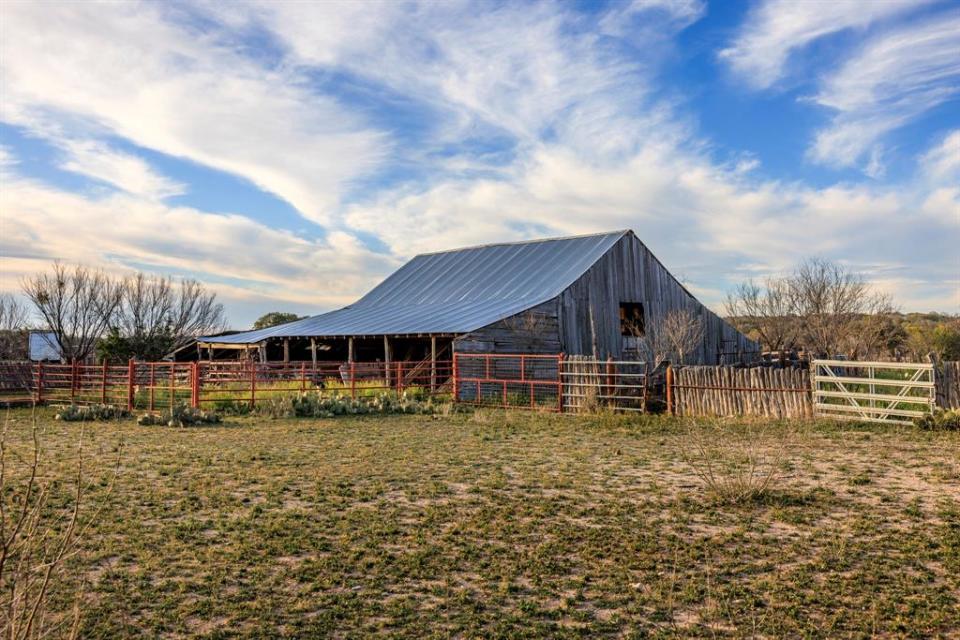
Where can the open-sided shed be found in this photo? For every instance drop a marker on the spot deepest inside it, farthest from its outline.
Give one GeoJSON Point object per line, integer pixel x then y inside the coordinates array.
{"type": "Point", "coordinates": [586, 295]}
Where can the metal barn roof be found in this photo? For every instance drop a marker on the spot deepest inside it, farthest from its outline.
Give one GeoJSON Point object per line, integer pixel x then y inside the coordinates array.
{"type": "Point", "coordinates": [44, 345]}
{"type": "Point", "coordinates": [452, 292]}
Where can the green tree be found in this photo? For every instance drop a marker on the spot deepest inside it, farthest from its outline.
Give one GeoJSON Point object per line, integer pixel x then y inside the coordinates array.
{"type": "Point", "coordinates": [274, 318]}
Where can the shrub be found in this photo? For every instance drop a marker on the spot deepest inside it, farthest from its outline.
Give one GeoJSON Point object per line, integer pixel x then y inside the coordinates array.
{"type": "Point", "coordinates": [736, 463]}
{"type": "Point", "coordinates": [316, 404]}
{"type": "Point", "coordinates": [78, 413]}
{"type": "Point", "coordinates": [941, 420]}
{"type": "Point", "coordinates": [180, 416]}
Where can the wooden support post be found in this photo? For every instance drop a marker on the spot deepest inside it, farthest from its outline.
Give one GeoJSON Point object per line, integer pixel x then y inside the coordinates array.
{"type": "Point", "coordinates": [194, 386]}
{"type": "Point", "coordinates": [433, 364]}
{"type": "Point", "coordinates": [286, 350]}
{"type": "Point", "coordinates": [313, 352]}
{"type": "Point", "coordinates": [210, 354]}
{"type": "Point", "coordinates": [262, 348]}
{"type": "Point", "coordinates": [670, 390]}
{"type": "Point", "coordinates": [350, 349]}
{"type": "Point", "coordinates": [386, 358]}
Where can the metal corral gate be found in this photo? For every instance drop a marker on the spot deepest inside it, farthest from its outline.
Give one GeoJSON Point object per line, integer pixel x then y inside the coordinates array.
{"type": "Point", "coordinates": [889, 392]}
{"type": "Point", "coordinates": [616, 385]}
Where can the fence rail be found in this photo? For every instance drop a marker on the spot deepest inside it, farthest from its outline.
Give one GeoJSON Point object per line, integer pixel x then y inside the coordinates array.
{"type": "Point", "coordinates": [888, 392]}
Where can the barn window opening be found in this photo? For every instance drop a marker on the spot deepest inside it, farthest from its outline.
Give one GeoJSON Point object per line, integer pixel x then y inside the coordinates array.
{"type": "Point", "coordinates": [631, 319]}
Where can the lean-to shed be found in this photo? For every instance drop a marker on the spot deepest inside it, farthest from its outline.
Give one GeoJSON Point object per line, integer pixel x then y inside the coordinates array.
{"type": "Point", "coordinates": [595, 295]}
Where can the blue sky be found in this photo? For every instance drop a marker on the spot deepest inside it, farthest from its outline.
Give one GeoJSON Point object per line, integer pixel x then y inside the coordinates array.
{"type": "Point", "coordinates": [291, 155]}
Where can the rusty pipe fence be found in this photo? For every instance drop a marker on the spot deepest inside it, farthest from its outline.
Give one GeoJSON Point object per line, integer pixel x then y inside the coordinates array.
{"type": "Point", "coordinates": [158, 385]}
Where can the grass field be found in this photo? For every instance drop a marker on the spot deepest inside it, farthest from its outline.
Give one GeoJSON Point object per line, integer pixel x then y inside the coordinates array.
{"type": "Point", "coordinates": [509, 525]}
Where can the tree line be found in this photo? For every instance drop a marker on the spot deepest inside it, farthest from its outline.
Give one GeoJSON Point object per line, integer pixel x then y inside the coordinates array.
{"type": "Point", "coordinates": [93, 314]}
{"type": "Point", "coordinates": [825, 309]}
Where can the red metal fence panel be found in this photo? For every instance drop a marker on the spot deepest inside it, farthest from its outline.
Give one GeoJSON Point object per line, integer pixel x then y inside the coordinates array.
{"type": "Point", "coordinates": [516, 381]}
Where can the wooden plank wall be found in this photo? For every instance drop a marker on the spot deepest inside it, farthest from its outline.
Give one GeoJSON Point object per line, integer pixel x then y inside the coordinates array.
{"type": "Point", "coordinates": [533, 331]}
{"type": "Point", "coordinates": [948, 386]}
{"type": "Point", "coordinates": [755, 391]}
{"type": "Point", "coordinates": [589, 310]}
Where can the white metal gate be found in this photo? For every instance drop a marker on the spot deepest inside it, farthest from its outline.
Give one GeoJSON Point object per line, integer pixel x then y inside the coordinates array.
{"type": "Point", "coordinates": [889, 392]}
{"type": "Point", "coordinates": [590, 385]}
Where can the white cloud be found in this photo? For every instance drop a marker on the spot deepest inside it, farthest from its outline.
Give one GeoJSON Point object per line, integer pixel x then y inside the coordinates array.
{"type": "Point", "coordinates": [139, 71]}
{"type": "Point", "coordinates": [123, 170]}
{"type": "Point", "coordinates": [235, 255]}
{"type": "Point", "coordinates": [581, 146]}
{"type": "Point", "coordinates": [775, 29]}
{"type": "Point", "coordinates": [942, 162]}
{"type": "Point", "coordinates": [893, 79]}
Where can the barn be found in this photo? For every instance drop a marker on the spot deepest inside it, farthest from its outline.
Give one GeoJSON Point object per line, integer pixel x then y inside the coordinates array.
{"type": "Point", "coordinates": [596, 295]}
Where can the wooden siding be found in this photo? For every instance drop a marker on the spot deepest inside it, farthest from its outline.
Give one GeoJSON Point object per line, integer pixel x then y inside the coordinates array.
{"type": "Point", "coordinates": [585, 318]}
{"type": "Point", "coordinates": [589, 310]}
{"type": "Point", "coordinates": [533, 331]}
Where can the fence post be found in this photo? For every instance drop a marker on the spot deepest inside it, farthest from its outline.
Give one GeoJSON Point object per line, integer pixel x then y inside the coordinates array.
{"type": "Point", "coordinates": [456, 394]}
{"type": "Point", "coordinates": [560, 383]}
{"type": "Point", "coordinates": [73, 381]}
{"type": "Point", "coordinates": [194, 385]}
{"type": "Point", "coordinates": [39, 382]}
{"type": "Point", "coordinates": [153, 384]}
{"type": "Point", "coordinates": [131, 376]}
{"type": "Point", "coordinates": [303, 377]}
{"type": "Point", "coordinates": [670, 390]}
{"type": "Point", "coordinates": [253, 386]}
{"type": "Point", "coordinates": [103, 383]}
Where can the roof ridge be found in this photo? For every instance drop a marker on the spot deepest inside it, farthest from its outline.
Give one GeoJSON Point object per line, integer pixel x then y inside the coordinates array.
{"type": "Point", "coordinates": [619, 232]}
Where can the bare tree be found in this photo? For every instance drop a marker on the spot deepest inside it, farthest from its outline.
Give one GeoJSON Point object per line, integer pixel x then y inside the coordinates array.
{"type": "Point", "coordinates": [13, 328]}
{"type": "Point", "coordinates": [833, 304]}
{"type": "Point", "coordinates": [76, 305]}
{"type": "Point", "coordinates": [675, 337]}
{"type": "Point", "coordinates": [767, 309]}
{"type": "Point", "coordinates": [529, 328]}
{"type": "Point", "coordinates": [157, 315]}
{"type": "Point", "coordinates": [13, 314]}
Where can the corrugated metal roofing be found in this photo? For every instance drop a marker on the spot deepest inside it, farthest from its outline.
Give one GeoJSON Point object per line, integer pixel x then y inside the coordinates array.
{"type": "Point", "coordinates": [43, 345]}
{"type": "Point", "coordinates": [454, 291]}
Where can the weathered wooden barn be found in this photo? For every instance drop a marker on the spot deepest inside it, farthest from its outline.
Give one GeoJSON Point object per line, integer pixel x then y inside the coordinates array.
{"type": "Point", "coordinates": [598, 295]}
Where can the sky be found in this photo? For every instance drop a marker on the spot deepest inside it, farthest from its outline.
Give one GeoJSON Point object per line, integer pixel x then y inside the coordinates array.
{"type": "Point", "coordinates": [291, 155]}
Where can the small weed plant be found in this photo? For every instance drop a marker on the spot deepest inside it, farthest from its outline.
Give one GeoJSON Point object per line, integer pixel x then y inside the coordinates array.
{"type": "Point", "coordinates": [940, 420]}
{"type": "Point", "coordinates": [737, 462]}
{"type": "Point", "coordinates": [85, 413]}
{"type": "Point", "coordinates": [316, 404]}
{"type": "Point", "coordinates": [180, 415]}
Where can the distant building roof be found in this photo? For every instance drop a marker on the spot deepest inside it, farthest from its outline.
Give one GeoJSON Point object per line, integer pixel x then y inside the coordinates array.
{"type": "Point", "coordinates": [44, 346]}
{"type": "Point", "coordinates": [454, 292]}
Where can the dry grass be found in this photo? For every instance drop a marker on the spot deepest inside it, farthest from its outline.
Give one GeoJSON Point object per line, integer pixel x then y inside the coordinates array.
{"type": "Point", "coordinates": [513, 525]}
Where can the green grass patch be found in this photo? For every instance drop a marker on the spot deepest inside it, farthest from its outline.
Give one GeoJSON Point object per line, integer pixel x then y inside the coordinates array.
{"type": "Point", "coordinates": [493, 524]}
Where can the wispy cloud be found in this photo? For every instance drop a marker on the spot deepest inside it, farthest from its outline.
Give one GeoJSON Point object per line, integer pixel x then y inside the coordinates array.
{"type": "Point", "coordinates": [529, 119]}
{"type": "Point", "coordinates": [776, 29]}
{"type": "Point", "coordinates": [142, 72]}
{"type": "Point", "coordinates": [896, 77]}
